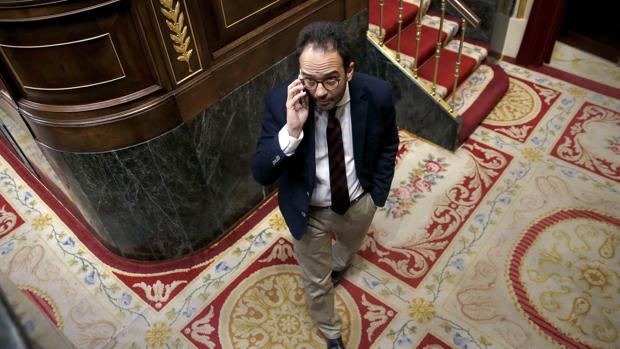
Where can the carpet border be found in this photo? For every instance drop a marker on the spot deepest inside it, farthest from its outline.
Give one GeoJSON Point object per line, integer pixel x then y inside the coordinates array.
{"type": "Point", "coordinates": [586, 83]}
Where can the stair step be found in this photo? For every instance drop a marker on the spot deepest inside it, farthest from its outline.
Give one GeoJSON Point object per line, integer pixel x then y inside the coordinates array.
{"type": "Point", "coordinates": [477, 96]}
{"type": "Point", "coordinates": [471, 58]}
{"type": "Point", "coordinates": [428, 39]}
{"type": "Point", "coordinates": [390, 15]}
{"type": "Point", "coordinates": [479, 86]}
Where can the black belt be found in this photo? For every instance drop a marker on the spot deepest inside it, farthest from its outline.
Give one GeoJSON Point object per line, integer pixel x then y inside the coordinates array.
{"type": "Point", "coordinates": [351, 204]}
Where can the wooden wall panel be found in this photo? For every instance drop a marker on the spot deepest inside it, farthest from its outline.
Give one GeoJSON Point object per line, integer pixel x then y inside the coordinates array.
{"type": "Point", "coordinates": [86, 78]}
{"type": "Point", "coordinates": [231, 20]}
{"type": "Point", "coordinates": [102, 66]}
{"type": "Point", "coordinates": [93, 56]}
{"type": "Point", "coordinates": [235, 13]}
{"type": "Point", "coordinates": [85, 74]}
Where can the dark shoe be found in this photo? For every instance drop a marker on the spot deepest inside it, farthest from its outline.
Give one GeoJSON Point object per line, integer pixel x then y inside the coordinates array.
{"type": "Point", "coordinates": [335, 343]}
{"type": "Point", "coordinates": [338, 275]}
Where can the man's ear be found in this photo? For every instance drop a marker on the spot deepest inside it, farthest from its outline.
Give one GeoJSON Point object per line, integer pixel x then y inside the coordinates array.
{"type": "Point", "coordinates": [350, 70]}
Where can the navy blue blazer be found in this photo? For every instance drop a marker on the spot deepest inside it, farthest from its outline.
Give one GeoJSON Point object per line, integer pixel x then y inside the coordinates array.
{"type": "Point", "coordinates": [375, 142]}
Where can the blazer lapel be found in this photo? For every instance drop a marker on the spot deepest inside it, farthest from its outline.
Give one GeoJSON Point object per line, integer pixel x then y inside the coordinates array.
{"type": "Point", "coordinates": [359, 114]}
{"type": "Point", "coordinates": [310, 146]}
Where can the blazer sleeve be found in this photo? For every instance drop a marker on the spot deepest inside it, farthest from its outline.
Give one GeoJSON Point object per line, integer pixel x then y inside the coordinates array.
{"type": "Point", "coordinates": [269, 160]}
{"type": "Point", "coordinates": [384, 173]}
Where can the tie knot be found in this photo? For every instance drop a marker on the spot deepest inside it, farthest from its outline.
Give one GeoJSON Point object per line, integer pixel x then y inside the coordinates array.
{"type": "Point", "coordinates": [332, 112]}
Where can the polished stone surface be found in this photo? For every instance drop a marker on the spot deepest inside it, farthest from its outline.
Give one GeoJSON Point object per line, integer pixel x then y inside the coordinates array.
{"type": "Point", "coordinates": [22, 323]}
{"type": "Point", "coordinates": [151, 199]}
{"type": "Point", "coordinates": [224, 137]}
{"type": "Point", "coordinates": [11, 335]}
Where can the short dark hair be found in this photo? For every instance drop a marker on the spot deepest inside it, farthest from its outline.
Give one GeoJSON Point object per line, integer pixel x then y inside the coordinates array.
{"type": "Point", "coordinates": [327, 36]}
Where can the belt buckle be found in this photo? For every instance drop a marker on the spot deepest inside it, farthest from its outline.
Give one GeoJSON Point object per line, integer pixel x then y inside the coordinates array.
{"type": "Point", "coordinates": [354, 201]}
{"type": "Point", "coordinates": [351, 203]}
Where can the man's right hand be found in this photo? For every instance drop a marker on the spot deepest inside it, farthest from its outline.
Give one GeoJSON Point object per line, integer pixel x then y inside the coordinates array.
{"type": "Point", "coordinates": [296, 108]}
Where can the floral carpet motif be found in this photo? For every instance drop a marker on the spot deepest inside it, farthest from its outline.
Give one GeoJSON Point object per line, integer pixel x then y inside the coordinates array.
{"type": "Point", "coordinates": [410, 256]}
{"type": "Point", "coordinates": [512, 241]}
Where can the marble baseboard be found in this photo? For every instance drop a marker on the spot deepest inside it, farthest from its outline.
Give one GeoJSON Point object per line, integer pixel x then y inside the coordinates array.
{"type": "Point", "coordinates": [149, 201]}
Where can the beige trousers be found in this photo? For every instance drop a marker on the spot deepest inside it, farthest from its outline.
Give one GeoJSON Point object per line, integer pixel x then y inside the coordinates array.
{"type": "Point", "coordinates": [317, 256]}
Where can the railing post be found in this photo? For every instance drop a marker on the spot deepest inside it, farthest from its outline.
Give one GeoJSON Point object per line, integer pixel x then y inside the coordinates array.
{"type": "Point", "coordinates": [438, 47]}
{"type": "Point", "coordinates": [418, 36]}
{"type": "Point", "coordinates": [457, 65]}
{"type": "Point", "coordinates": [400, 27]}
{"type": "Point", "coordinates": [381, 36]}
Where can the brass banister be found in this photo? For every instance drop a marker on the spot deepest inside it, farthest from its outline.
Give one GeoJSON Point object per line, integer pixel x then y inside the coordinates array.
{"type": "Point", "coordinates": [438, 47]}
{"type": "Point", "coordinates": [400, 28]}
{"type": "Point", "coordinates": [430, 86]}
{"type": "Point", "coordinates": [381, 35]}
{"type": "Point", "coordinates": [457, 65]}
{"type": "Point", "coordinates": [465, 12]}
{"type": "Point", "coordinates": [418, 34]}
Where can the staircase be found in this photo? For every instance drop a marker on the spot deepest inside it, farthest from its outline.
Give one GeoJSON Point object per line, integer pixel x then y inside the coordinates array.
{"type": "Point", "coordinates": [432, 51]}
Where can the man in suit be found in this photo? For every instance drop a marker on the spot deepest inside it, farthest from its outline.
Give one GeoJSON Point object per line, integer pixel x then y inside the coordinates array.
{"type": "Point", "coordinates": [330, 138]}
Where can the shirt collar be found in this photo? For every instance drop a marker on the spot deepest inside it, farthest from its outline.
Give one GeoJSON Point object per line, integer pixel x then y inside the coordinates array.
{"type": "Point", "coordinates": [346, 98]}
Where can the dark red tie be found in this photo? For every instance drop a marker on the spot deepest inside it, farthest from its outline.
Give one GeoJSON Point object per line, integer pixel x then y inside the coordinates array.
{"type": "Point", "coordinates": [337, 168]}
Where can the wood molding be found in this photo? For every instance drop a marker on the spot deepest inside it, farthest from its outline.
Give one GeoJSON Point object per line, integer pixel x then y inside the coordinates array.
{"type": "Point", "coordinates": [27, 11]}
{"type": "Point", "coordinates": [54, 108]}
{"type": "Point", "coordinates": [354, 7]}
{"type": "Point", "coordinates": [73, 103]}
{"type": "Point", "coordinates": [106, 129]}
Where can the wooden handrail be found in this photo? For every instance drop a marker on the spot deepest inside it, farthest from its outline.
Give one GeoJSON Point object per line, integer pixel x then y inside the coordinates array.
{"type": "Point", "coordinates": [465, 12]}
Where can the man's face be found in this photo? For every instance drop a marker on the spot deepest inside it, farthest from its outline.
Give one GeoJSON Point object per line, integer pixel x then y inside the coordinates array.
{"type": "Point", "coordinates": [321, 65]}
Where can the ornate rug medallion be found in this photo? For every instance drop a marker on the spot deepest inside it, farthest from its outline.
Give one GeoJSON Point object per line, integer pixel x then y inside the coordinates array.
{"type": "Point", "coordinates": [264, 307]}
{"type": "Point", "coordinates": [564, 274]}
{"type": "Point", "coordinates": [268, 310]}
{"type": "Point", "coordinates": [592, 141]}
{"type": "Point", "coordinates": [517, 114]}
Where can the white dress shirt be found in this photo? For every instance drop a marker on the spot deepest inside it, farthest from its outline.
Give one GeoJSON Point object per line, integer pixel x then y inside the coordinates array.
{"type": "Point", "coordinates": [321, 194]}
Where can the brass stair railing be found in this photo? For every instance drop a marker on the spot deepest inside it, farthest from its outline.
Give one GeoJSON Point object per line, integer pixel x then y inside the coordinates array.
{"type": "Point", "coordinates": [468, 16]}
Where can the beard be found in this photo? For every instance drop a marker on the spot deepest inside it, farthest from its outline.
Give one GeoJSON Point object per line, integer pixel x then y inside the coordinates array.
{"type": "Point", "coordinates": [326, 103]}
{"type": "Point", "coordinates": [329, 104]}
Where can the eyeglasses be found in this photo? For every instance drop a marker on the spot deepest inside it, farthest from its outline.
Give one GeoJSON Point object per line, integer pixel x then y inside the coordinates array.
{"type": "Point", "coordinates": [328, 84]}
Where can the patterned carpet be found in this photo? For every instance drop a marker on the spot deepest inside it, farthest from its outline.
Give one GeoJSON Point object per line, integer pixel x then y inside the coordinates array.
{"type": "Point", "coordinates": [584, 64]}
{"type": "Point", "coordinates": [513, 241]}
